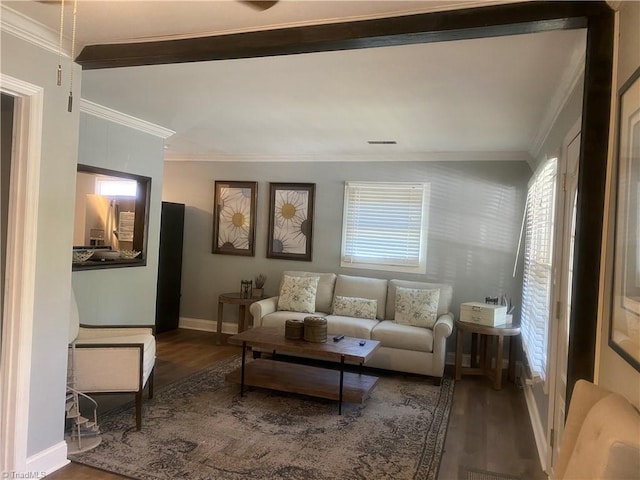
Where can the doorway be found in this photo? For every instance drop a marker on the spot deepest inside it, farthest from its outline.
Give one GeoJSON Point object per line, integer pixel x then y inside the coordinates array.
{"type": "Point", "coordinates": [19, 265]}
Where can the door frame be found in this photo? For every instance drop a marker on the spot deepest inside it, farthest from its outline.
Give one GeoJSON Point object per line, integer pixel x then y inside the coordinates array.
{"type": "Point", "coordinates": [19, 294]}
{"type": "Point", "coordinates": [559, 315]}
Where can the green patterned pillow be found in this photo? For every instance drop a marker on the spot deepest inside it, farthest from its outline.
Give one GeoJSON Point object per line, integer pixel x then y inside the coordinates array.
{"type": "Point", "coordinates": [417, 307]}
{"type": "Point", "coordinates": [298, 294]}
{"type": "Point", "coordinates": [355, 307]}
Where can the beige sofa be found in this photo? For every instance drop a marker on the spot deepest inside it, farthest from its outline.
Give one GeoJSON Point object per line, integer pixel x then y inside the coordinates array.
{"type": "Point", "coordinates": [403, 348]}
{"type": "Point", "coordinates": [601, 437]}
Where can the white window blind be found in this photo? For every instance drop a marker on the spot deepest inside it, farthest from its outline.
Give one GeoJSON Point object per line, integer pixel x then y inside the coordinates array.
{"type": "Point", "coordinates": [385, 225]}
{"type": "Point", "coordinates": [538, 254]}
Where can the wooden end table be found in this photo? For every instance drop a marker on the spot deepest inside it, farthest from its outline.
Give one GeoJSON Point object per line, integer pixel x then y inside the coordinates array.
{"type": "Point", "coordinates": [487, 336]}
{"type": "Point", "coordinates": [235, 298]}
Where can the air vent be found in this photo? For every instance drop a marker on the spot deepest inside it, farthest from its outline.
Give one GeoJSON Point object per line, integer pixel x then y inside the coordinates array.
{"type": "Point", "coordinates": [382, 142]}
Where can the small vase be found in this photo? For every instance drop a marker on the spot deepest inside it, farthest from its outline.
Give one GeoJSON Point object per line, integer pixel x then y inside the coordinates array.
{"type": "Point", "coordinates": [258, 292]}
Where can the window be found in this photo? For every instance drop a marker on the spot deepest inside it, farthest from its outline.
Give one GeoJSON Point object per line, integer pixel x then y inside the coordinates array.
{"type": "Point", "coordinates": [385, 226]}
{"type": "Point", "coordinates": [538, 254]}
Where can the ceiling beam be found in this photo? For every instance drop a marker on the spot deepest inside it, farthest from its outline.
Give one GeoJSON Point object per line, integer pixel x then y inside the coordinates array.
{"type": "Point", "coordinates": [490, 21]}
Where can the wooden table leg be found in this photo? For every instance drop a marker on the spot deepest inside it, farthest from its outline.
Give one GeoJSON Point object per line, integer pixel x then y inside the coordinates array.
{"type": "Point", "coordinates": [514, 343]}
{"type": "Point", "coordinates": [219, 327]}
{"type": "Point", "coordinates": [474, 350]}
{"type": "Point", "coordinates": [242, 318]}
{"type": "Point", "coordinates": [485, 354]}
{"type": "Point", "coordinates": [497, 383]}
{"type": "Point", "coordinates": [459, 353]}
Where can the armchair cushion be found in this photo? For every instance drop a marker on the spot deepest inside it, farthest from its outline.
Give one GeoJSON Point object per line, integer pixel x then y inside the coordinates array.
{"type": "Point", "coordinates": [116, 339]}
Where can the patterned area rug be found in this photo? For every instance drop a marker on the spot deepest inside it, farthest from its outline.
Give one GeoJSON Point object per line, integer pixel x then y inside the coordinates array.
{"type": "Point", "coordinates": [200, 428]}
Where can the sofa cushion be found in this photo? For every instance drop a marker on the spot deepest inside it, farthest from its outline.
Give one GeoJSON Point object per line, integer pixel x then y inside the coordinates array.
{"type": "Point", "coordinates": [404, 337]}
{"type": "Point", "coordinates": [444, 302]}
{"type": "Point", "coordinates": [324, 293]}
{"type": "Point", "coordinates": [278, 319]}
{"type": "Point", "coordinates": [355, 307]}
{"type": "Point", "coordinates": [350, 326]}
{"type": "Point", "coordinates": [364, 287]}
{"type": "Point", "coordinates": [417, 307]}
{"type": "Point", "coordinates": [298, 294]}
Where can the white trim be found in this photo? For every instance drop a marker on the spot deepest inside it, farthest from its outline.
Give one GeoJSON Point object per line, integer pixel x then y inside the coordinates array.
{"type": "Point", "coordinates": [100, 111]}
{"type": "Point", "coordinates": [389, 156]}
{"type": "Point", "coordinates": [557, 103]}
{"type": "Point", "coordinates": [47, 461]}
{"type": "Point", "coordinates": [207, 325]}
{"type": "Point", "coordinates": [32, 31]}
{"type": "Point", "coordinates": [15, 372]}
{"type": "Point", "coordinates": [536, 424]}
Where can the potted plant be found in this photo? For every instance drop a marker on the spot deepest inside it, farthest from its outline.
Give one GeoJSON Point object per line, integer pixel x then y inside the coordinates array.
{"type": "Point", "coordinates": [258, 291]}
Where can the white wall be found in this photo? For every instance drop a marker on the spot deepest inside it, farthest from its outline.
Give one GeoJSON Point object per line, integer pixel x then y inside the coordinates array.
{"type": "Point", "coordinates": [122, 295]}
{"type": "Point", "coordinates": [612, 371]}
{"type": "Point", "coordinates": [25, 61]}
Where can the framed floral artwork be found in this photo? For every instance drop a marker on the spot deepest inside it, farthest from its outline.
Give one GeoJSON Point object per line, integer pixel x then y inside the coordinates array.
{"type": "Point", "coordinates": [291, 220]}
{"type": "Point", "coordinates": [234, 218]}
{"type": "Point", "coordinates": [624, 332]}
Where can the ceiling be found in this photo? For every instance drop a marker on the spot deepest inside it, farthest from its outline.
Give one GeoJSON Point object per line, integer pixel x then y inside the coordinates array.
{"type": "Point", "coordinates": [456, 100]}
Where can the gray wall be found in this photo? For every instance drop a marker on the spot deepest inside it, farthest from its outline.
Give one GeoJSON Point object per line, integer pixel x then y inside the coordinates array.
{"type": "Point", "coordinates": [474, 223]}
{"type": "Point", "coordinates": [55, 227]}
{"type": "Point", "coordinates": [121, 295]}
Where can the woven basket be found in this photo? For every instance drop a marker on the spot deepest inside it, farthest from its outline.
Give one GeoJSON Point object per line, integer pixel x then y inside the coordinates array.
{"type": "Point", "coordinates": [315, 329]}
{"type": "Point", "coordinates": [293, 329]}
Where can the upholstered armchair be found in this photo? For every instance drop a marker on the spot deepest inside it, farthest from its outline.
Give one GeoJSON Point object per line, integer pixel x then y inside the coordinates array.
{"type": "Point", "coordinates": [113, 359]}
{"type": "Point", "coordinates": [601, 437]}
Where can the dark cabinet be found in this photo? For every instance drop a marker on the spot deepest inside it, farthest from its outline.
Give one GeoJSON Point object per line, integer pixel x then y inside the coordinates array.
{"type": "Point", "coordinates": [169, 267]}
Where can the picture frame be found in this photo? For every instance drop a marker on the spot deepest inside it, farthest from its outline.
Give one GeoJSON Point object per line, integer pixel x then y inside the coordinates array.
{"type": "Point", "coordinates": [624, 331]}
{"type": "Point", "coordinates": [234, 218]}
{"type": "Point", "coordinates": [291, 210]}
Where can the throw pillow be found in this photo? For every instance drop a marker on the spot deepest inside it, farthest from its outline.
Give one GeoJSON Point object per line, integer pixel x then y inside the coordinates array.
{"type": "Point", "coordinates": [417, 307]}
{"type": "Point", "coordinates": [355, 307]}
{"type": "Point", "coordinates": [298, 294]}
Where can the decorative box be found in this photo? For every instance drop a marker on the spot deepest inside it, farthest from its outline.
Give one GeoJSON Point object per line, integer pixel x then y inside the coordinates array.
{"type": "Point", "coordinates": [483, 314]}
{"type": "Point", "coordinates": [315, 329]}
{"type": "Point", "coordinates": [294, 329]}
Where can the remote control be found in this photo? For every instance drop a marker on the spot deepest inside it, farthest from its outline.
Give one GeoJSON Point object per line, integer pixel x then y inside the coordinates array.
{"type": "Point", "coordinates": [362, 343]}
{"type": "Point", "coordinates": [337, 338]}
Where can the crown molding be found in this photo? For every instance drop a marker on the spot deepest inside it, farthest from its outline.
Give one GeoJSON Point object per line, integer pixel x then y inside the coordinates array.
{"type": "Point", "coordinates": [360, 157]}
{"type": "Point", "coordinates": [106, 113]}
{"type": "Point", "coordinates": [29, 30]}
{"type": "Point", "coordinates": [558, 102]}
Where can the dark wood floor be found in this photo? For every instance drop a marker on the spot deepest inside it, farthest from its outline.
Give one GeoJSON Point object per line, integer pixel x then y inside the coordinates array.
{"type": "Point", "coordinates": [488, 429]}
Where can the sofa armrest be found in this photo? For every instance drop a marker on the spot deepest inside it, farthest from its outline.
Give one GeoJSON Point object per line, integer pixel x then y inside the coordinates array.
{"type": "Point", "coordinates": [585, 395]}
{"type": "Point", "coordinates": [441, 330]}
{"type": "Point", "coordinates": [261, 308]}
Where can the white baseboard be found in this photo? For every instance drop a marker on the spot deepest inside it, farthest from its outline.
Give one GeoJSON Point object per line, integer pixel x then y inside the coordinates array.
{"type": "Point", "coordinates": [207, 325]}
{"type": "Point", "coordinates": [536, 424]}
{"type": "Point", "coordinates": [47, 461]}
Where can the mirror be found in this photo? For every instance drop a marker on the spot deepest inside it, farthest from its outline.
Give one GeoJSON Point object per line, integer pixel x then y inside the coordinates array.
{"type": "Point", "coordinates": [111, 218]}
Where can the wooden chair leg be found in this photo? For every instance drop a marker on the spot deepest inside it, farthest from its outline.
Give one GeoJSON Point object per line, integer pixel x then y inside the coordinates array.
{"type": "Point", "coordinates": [139, 410]}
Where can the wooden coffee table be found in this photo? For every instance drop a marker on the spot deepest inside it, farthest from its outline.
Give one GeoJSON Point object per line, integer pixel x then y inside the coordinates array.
{"type": "Point", "coordinates": [304, 379]}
